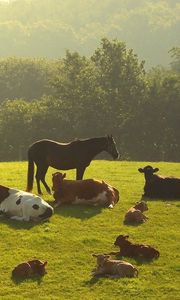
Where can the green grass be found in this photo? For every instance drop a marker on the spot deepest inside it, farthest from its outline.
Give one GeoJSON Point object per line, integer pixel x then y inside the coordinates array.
{"type": "Point", "coordinates": [69, 238]}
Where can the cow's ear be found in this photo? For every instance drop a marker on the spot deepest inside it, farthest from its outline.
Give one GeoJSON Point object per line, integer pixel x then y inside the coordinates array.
{"type": "Point", "coordinates": [155, 170]}
{"type": "Point", "coordinates": [141, 170]}
{"type": "Point", "coordinates": [95, 255]}
{"type": "Point", "coordinates": [126, 236]}
{"type": "Point", "coordinates": [64, 175]}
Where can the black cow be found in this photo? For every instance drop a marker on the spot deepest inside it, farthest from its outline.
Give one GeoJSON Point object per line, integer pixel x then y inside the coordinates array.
{"type": "Point", "coordinates": [157, 186]}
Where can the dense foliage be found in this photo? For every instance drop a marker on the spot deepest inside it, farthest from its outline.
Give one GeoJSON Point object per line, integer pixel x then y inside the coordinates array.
{"type": "Point", "coordinates": [78, 97]}
{"type": "Point", "coordinates": [47, 28]}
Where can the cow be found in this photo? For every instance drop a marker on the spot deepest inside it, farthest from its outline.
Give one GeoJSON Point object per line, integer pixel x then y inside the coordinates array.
{"type": "Point", "coordinates": [137, 251]}
{"type": "Point", "coordinates": [135, 213]}
{"type": "Point", "coordinates": [87, 191]}
{"type": "Point", "coordinates": [157, 186]}
{"type": "Point", "coordinates": [29, 269]}
{"type": "Point", "coordinates": [23, 206]}
{"type": "Point", "coordinates": [112, 267]}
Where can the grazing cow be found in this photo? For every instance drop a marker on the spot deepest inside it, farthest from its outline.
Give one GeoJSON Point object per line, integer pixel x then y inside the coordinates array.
{"type": "Point", "coordinates": [23, 206]}
{"type": "Point", "coordinates": [29, 269]}
{"type": "Point", "coordinates": [88, 191]}
{"type": "Point", "coordinates": [113, 268]}
{"type": "Point", "coordinates": [135, 213]}
{"type": "Point", "coordinates": [157, 186]}
{"type": "Point", "coordinates": [137, 251]}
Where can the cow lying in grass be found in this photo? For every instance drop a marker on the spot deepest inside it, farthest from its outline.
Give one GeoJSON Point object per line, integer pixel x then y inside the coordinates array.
{"type": "Point", "coordinates": [23, 206]}
{"type": "Point", "coordinates": [113, 268]}
{"type": "Point", "coordinates": [30, 269]}
{"type": "Point", "coordinates": [137, 251]}
{"type": "Point", "coordinates": [88, 191]}
{"type": "Point", "coordinates": [157, 186]}
{"type": "Point", "coordinates": [135, 213]}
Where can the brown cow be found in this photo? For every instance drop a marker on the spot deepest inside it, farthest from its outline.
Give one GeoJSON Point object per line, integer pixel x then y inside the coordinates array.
{"type": "Point", "coordinates": [113, 268]}
{"type": "Point", "coordinates": [88, 191]}
{"type": "Point", "coordinates": [30, 269]}
{"type": "Point", "coordinates": [135, 213]}
{"type": "Point", "coordinates": [137, 251]}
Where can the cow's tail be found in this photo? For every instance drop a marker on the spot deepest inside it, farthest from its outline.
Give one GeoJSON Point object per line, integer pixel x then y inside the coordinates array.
{"type": "Point", "coordinates": [136, 272]}
{"type": "Point", "coordinates": [30, 173]}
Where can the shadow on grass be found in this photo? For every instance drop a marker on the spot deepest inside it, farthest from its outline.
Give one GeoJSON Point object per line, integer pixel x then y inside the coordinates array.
{"type": "Point", "coordinates": [93, 280]}
{"type": "Point", "coordinates": [134, 224]}
{"type": "Point", "coordinates": [100, 278]}
{"type": "Point", "coordinates": [171, 200]}
{"type": "Point", "coordinates": [18, 280]}
{"type": "Point", "coordinates": [78, 211]}
{"type": "Point", "coordinates": [19, 224]}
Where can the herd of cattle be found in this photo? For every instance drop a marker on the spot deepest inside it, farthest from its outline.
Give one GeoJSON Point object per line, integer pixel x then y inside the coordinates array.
{"type": "Point", "coordinates": [25, 206]}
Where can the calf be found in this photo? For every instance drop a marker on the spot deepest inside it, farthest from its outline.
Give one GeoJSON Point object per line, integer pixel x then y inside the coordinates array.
{"type": "Point", "coordinates": [135, 213]}
{"type": "Point", "coordinates": [29, 269]}
{"type": "Point", "coordinates": [88, 191]}
{"type": "Point", "coordinates": [137, 251]}
{"type": "Point", "coordinates": [157, 186]}
{"type": "Point", "coordinates": [113, 268]}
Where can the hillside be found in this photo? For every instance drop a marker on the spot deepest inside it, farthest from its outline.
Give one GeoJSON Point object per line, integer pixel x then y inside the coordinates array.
{"type": "Point", "coordinates": [48, 28]}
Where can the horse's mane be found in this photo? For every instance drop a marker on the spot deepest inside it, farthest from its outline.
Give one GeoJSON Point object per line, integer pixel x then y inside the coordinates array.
{"type": "Point", "coordinates": [76, 140]}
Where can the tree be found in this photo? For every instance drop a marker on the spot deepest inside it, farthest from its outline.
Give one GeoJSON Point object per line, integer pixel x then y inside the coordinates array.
{"type": "Point", "coordinates": [175, 55]}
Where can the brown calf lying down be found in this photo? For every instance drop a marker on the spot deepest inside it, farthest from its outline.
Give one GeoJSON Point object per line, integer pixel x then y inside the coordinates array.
{"type": "Point", "coordinates": [30, 269]}
{"type": "Point", "coordinates": [113, 268]}
{"type": "Point", "coordinates": [137, 251]}
{"type": "Point", "coordinates": [88, 191]}
{"type": "Point", "coordinates": [135, 213]}
{"type": "Point", "coordinates": [157, 186]}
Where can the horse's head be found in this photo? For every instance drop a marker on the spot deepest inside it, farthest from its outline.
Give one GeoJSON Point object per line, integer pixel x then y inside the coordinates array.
{"type": "Point", "coordinates": [111, 147]}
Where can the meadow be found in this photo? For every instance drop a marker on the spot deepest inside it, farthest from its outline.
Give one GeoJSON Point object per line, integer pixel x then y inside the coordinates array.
{"type": "Point", "coordinates": [73, 233]}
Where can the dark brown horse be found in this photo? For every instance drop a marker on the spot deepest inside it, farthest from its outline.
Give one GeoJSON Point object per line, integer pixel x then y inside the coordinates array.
{"type": "Point", "coordinates": [74, 155]}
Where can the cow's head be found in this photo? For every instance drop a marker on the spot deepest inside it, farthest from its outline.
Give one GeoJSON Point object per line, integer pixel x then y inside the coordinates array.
{"type": "Point", "coordinates": [57, 180]}
{"type": "Point", "coordinates": [121, 240]}
{"type": "Point", "coordinates": [148, 171]}
{"type": "Point", "coordinates": [36, 208]}
{"type": "Point", "coordinates": [142, 206]}
{"type": "Point", "coordinates": [101, 258]}
{"type": "Point", "coordinates": [38, 267]}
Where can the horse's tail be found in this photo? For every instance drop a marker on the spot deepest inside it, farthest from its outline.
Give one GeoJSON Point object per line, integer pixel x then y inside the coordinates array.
{"type": "Point", "coordinates": [30, 174]}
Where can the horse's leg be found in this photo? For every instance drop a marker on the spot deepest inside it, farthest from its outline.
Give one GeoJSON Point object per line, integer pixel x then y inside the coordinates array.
{"type": "Point", "coordinates": [80, 173]}
{"type": "Point", "coordinates": [38, 172]}
{"type": "Point", "coordinates": [40, 176]}
{"type": "Point", "coordinates": [43, 180]}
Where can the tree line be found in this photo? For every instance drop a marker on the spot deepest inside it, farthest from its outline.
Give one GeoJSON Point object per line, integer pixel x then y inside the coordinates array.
{"type": "Point", "coordinates": [78, 97]}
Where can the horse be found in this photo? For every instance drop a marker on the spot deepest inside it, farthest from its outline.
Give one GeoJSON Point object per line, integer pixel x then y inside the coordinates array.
{"type": "Point", "coordinates": [77, 154]}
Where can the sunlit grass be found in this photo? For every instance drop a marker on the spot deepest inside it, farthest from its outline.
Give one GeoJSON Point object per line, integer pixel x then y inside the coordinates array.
{"type": "Point", "coordinates": [75, 232]}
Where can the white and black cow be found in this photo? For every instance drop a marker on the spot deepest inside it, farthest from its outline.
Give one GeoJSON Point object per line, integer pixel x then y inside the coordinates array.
{"type": "Point", "coordinates": [23, 206]}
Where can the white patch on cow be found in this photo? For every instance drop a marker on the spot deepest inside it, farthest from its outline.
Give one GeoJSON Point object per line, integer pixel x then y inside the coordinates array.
{"type": "Point", "coordinates": [100, 199]}
{"type": "Point", "coordinates": [24, 209]}
{"type": "Point", "coordinates": [111, 205]}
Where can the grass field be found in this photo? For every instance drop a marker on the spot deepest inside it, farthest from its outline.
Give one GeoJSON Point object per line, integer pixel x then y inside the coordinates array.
{"type": "Point", "coordinates": [73, 233]}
